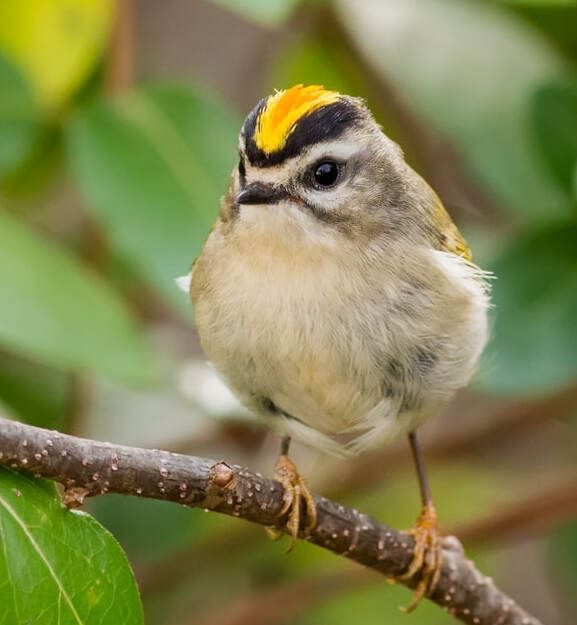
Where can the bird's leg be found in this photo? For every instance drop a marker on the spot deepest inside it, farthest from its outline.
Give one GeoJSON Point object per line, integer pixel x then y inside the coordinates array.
{"type": "Point", "coordinates": [295, 494]}
{"type": "Point", "coordinates": [427, 557]}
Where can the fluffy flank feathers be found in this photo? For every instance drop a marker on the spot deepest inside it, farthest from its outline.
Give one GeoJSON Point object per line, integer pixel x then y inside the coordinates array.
{"type": "Point", "coordinates": [183, 283]}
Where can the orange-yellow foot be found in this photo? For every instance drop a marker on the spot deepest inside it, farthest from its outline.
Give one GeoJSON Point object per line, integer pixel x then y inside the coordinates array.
{"type": "Point", "coordinates": [295, 494]}
{"type": "Point", "coordinates": [427, 557]}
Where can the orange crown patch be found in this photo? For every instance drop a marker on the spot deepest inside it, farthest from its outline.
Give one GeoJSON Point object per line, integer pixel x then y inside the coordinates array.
{"type": "Point", "coordinates": [284, 109]}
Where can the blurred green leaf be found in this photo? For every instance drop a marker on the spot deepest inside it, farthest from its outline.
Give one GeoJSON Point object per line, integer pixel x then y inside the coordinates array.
{"type": "Point", "coordinates": [563, 552]}
{"type": "Point", "coordinates": [18, 118]}
{"type": "Point", "coordinates": [58, 566]}
{"type": "Point", "coordinates": [470, 69]}
{"type": "Point", "coordinates": [267, 12]}
{"type": "Point", "coordinates": [56, 310]}
{"type": "Point", "coordinates": [375, 604]}
{"type": "Point", "coordinates": [152, 166]}
{"type": "Point", "coordinates": [542, 3]}
{"type": "Point", "coordinates": [535, 295]}
{"type": "Point", "coordinates": [554, 111]}
{"type": "Point", "coordinates": [133, 521]}
{"type": "Point", "coordinates": [555, 22]}
{"type": "Point", "coordinates": [56, 44]}
{"type": "Point", "coordinates": [35, 393]}
{"type": "Point", "coordinates": [22, 187]}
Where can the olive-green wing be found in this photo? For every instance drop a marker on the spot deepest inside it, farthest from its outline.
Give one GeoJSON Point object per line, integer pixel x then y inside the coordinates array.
{"type": "Point", "coordinates": [451, 240]}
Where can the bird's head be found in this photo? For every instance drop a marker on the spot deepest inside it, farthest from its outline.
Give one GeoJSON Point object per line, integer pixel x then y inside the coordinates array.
{"type": "Point", "coordinates": [318, 159]}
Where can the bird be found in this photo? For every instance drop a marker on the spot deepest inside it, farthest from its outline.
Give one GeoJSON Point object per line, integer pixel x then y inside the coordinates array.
{"type": "Point", "coordinates": [335, 296]}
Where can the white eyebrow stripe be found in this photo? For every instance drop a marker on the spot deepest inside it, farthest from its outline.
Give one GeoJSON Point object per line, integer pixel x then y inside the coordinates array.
{"type": "Point", "coordinates": [335, 149]}
{"type": "Point", "coordinates": [287, 170]}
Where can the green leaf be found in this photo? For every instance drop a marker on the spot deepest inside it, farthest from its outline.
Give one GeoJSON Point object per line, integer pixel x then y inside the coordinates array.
{"type": "Point", "coordinates": [59, 312]}
{"type": "Point", "coordinates": [563, 553]}
{"type": "Point", "coordinates": [48, 403]}
{"type": "Point", "coordinates": [267, 12]}
{"type": "Point", "coordinates": [24, 186]}
{"type": "Point", "coordinates": [535, 295]}
{"type": "Point", "coordinates": [56, 44]}
{"type": "Point", "coordinates": [540, 3]}
{"type": "Point", "coordinates": [133, 521]}
{"type": "Point", "coordinates": [152, 167]}
{"type": "Point", "coordinates": [469, 68]}
{"type": "Point", "coordinates": [554, 111]}
{"type": "Point", "coordinates": [18, 118]}
{"type": "Point", "coordinates": [57, 566]}
{"type": "Point", "coordinates": [373, 604]}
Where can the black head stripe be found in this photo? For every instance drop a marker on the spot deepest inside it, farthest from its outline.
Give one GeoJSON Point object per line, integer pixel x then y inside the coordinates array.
{"type": "Point", "coordinates": [249, 126]}
{"type": "Point", "coordinates": [327, 122]}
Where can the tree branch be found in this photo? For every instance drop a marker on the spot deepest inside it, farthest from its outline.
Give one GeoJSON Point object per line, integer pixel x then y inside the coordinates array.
{"type": "Point", "coordinates": [87, 468]}
{"type": "Point", "coordinates": [506, 423]}
{"type": "Point", "coordinates": [282, 604]}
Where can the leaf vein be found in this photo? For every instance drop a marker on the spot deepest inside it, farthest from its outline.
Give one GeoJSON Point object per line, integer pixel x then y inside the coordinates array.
{"type": "Point", "coordinates": [42, 557]}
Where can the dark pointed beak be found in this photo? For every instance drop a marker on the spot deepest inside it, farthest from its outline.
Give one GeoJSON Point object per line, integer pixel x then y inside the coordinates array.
{"type": "Point", "coordinates": [259, 193]}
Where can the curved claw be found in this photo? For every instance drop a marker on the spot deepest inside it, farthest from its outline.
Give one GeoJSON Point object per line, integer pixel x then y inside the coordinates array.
{"type": "Point", "coordinates": [295, 493]}
{"type": "Point", "coordinates": [427, 556]}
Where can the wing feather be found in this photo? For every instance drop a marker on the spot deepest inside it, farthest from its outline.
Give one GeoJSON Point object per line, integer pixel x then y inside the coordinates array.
{"type": "Point", "coordinates": [451, 240]}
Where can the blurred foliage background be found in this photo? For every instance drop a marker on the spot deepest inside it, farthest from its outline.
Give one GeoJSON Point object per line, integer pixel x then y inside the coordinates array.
{"type": "Point", "coordinates": [118, 125]}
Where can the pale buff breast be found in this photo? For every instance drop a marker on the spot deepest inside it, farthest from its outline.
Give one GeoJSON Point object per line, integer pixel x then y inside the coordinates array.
{"type": "Point", "coordinates": [273, 318]}
{"type": "Point", "coordinates": [296, 319]}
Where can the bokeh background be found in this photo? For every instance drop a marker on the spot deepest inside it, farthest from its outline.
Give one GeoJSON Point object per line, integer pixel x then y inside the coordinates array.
{"type": "Point", "coordinates": [118, 126]}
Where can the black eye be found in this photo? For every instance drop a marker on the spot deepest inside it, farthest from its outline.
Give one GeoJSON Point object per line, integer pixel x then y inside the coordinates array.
{"type": "Point", "coordinates": [326, 173]}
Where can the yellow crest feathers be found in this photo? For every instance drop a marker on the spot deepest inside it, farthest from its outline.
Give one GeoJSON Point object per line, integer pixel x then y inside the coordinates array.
{"type": "Point", "coordinates": [284, 109]}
